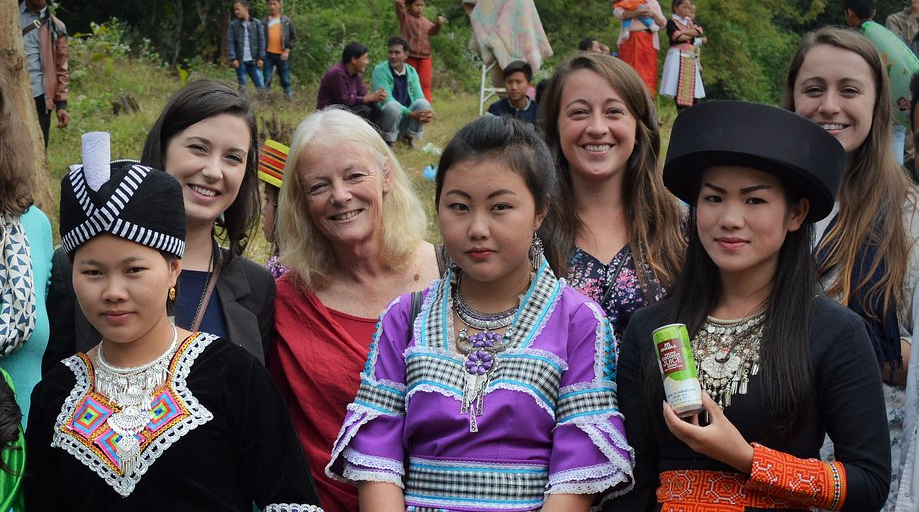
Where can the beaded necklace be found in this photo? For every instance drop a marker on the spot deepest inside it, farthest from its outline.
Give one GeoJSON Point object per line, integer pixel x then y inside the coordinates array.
{"type": "Point", "coordinates": [479, 320]}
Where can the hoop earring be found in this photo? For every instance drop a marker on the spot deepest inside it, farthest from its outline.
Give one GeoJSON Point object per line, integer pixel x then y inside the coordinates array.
{"type": "Point", "coordinates": [536, 251]}
{"type": "Point", "coordinates": [172, 293]}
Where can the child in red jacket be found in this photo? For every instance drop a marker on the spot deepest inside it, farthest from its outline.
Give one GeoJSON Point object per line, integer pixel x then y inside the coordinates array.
{"type": "Point", "coordinates": [416, 29]}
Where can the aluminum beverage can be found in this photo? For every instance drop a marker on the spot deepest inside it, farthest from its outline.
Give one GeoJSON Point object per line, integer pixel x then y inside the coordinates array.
{"type": "Point", "coordinates": [678, 369]}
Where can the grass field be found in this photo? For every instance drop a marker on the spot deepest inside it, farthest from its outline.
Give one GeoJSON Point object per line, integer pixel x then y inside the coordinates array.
{"type": "Point", "coordinates": [98, 79]}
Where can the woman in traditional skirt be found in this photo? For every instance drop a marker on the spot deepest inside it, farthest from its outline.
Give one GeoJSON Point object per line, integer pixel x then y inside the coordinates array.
{"type": "Point", "coordinates": [682, 78]}
{"type": "Point", "coordinates": [639, 43]}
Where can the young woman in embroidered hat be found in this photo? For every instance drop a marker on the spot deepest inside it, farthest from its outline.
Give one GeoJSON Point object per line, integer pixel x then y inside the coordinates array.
{"type": "Point", "coordinates": [496, 393]}
{"type": "Point", "coordinates": [780, 365]}
{"type": "Point", "coordinates": [154, 416]}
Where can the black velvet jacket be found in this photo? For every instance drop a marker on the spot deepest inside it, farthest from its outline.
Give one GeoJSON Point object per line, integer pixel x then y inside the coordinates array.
{"type": "Point", "coordinates": [848, 404]}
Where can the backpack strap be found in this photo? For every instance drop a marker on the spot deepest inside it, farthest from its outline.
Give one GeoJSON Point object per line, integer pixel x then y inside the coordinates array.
{"type": "Point", "coordinates": [32, 26]}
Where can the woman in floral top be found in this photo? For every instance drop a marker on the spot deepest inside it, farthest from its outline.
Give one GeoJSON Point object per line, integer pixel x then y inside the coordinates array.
{"type": "Point", "coordinates": [615, 286]}
{"type": "Point", "coordinates": [615, 232]}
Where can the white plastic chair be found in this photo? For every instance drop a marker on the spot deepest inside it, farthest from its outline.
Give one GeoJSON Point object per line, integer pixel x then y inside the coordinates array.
{"type": "Point", "coordinates": [487, 92]}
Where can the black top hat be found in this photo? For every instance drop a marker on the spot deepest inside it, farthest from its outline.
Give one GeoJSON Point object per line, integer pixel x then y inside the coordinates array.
{"type": "Point", "coordinates": [799, 152]}
{"type": "Point", "coordinates": [136, 202]}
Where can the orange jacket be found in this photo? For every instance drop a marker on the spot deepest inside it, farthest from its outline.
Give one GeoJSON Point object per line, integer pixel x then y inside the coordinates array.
{"type": "Point", "coordinates": [629, 5]}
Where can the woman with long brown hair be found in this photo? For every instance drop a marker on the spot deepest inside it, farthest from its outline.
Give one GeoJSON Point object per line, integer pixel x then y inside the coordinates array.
{"type": "Point", "coordinates": [615, 230]}
{"type": "Point", "coordinates": [866, 252]}
{"type": "Point", "coordinates": [207, 138]}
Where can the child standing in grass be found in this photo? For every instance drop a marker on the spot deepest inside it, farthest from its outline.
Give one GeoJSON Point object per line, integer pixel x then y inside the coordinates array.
{"type": "Point", "coordinates": [246, 46]}
{"type": "Point", "coordinates": [416, 29]}
{"type": "Point", "coordinates": [280, 36]}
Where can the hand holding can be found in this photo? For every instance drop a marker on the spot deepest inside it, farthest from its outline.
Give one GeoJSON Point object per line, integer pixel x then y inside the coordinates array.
{"type": "Point", "coordinates": [678, 369]}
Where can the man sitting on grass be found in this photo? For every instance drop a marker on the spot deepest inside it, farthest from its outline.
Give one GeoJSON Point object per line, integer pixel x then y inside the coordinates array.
{"type": "Point", "coordinates": [343, 84]}
{"type": "Point", "coordinates": [405, 110]}
{"type": "Point", "coordinates": [517, 104]}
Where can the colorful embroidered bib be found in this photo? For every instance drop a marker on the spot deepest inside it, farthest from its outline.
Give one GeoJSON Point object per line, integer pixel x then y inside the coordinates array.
{"type": "Point", "coordinates": [82, 428]}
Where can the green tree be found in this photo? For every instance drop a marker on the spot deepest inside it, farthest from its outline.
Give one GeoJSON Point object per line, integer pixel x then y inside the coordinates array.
{"type": "Point", "coordinates": [747, 55]}
{"type": "Point", "coordinates": [750, 45]}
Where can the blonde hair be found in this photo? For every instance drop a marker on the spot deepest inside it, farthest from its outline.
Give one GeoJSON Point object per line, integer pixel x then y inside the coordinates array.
{"type": "Point", "coordinates": [304, 249]}
{"type": "Point", "coordinates": [873, 192]}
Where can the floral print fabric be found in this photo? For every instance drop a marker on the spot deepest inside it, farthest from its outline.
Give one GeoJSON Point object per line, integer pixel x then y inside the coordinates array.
{"type": "Point", "coordinates": [619, 295]}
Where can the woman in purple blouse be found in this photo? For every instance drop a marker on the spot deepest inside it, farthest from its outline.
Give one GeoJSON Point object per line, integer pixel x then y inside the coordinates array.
{"type": "Point", "coordinates": [493, 389]}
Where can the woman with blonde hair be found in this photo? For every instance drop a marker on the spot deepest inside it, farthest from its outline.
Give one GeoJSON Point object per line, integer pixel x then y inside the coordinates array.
{"type": "Point", "coordinates": [867, 256]}
{"type": "Point", "coordinates": [351, 232]}
{"type": "Point", "coordinates": [615, 232]}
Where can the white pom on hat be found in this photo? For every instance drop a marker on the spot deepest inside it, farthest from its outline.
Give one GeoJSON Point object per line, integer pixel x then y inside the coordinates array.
{"type": "Point", "coordinates": [97, 153]}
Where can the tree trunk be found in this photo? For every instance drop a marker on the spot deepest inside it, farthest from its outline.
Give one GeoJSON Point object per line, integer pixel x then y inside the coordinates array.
{"type": "Point", "coordinates": [13, 64]}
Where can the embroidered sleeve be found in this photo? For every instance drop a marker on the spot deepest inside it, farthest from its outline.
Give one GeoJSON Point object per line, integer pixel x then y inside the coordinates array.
{"type": "Point", "coordinates": [369, 446]}
{"type": "Point", "coordinates": [590, 454]}
{"type": "Point", "coordinates": [810, 483]}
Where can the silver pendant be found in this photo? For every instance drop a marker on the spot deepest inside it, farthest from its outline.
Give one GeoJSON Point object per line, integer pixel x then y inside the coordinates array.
{"type": "Point", "coordinates": [128, 449]}
{"type": "Point", "coordinates": [474, 398]}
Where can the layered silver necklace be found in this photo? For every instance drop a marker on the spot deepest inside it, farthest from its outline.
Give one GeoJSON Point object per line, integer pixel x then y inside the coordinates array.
{"type": "Point", "coordinates": [481, 351]}
{"type": "Point", "coordinates": [727, 355]}
{"type": "Point", "coordinates": [131, 390]}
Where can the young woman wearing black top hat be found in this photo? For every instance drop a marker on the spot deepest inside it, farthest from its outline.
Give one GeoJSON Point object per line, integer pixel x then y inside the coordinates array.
{"type": "Point", "coordinates": [781, 365]}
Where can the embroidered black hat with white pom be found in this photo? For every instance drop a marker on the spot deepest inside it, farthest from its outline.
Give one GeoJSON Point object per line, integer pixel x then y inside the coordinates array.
{"type": "Point", "coordinates": [123, 198]}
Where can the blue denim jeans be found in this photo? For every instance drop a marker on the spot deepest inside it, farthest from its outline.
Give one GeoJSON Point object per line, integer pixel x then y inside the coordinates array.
{"type": "Point", "coordinates": [250, 68]}
{"type": "Point", "coordinates": [274, 61]}
{"type": "Point", "coordinates": [393, 125]}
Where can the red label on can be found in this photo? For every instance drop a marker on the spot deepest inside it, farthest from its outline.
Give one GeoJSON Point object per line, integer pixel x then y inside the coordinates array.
{"type": "Point", "coordinates": [671, 356]}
